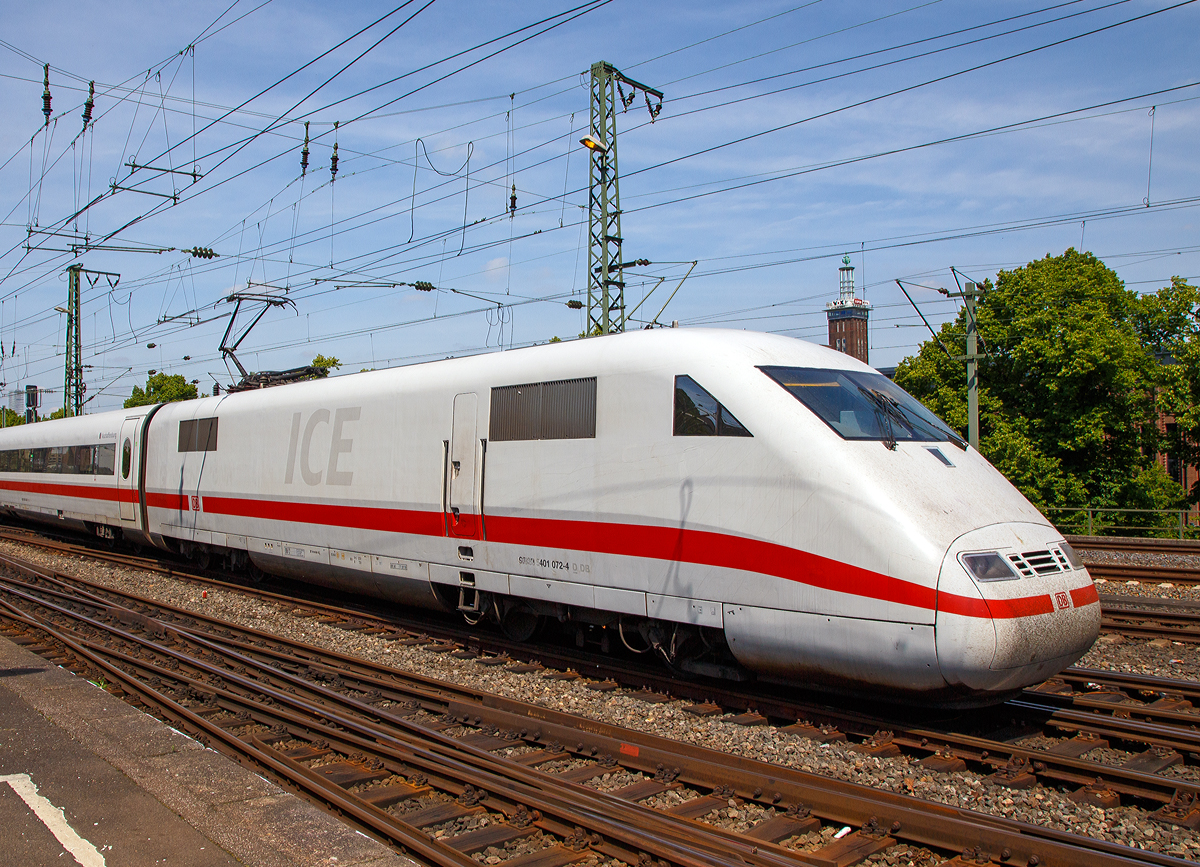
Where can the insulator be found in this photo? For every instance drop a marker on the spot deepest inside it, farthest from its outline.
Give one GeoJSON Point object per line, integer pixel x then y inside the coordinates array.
{"type": "Point", "coordinates": [46, 92]}
{"type": "Point", "coordinates": [423, 286]}
{"type": "Point", "coordinates": [654, 110]}
{"type": "Point", "coordinates": [304, 153]}
{"type": "Point", "coordinates": [91, 102]}
{"type": "Point", "coordinates": [575, 305]}
{"type": "Point", "coordinates": [626, 101]}
{"type": "Point", "coordinates": [512, 202]}
{"type": "Point", "coordinates": [334, 160]}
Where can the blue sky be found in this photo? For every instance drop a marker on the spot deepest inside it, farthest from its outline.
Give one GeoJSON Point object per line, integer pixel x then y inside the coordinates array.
{"type": "Point", "coordinates": [770, 160]}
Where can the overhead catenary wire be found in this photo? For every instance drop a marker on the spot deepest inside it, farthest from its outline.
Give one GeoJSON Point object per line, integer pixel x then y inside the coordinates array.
{"type": "Point", "coordinates": [907, 89]}
{"type": "Point", "coordinates": [593, 4]}
{"type": "Point", "coordinates": [561, 209]}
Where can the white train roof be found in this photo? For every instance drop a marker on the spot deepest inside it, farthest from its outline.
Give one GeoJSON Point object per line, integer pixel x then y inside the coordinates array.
{"type": "Point", "coordinates": [667, 351]}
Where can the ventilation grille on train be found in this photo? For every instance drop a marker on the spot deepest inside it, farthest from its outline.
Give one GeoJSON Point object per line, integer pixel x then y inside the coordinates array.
{"type": "Point", "coordinates": [1046, 562]}
{"type": "Point", "coordinates": [560, 410]}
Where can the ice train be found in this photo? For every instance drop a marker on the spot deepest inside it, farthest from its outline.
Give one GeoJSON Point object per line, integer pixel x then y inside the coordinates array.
{"type": "Point", "coordinates": [740, 504]}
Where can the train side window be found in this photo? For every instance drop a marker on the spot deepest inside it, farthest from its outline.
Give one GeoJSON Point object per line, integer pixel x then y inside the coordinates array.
{"type": "Point", "coordinates": [187, 436]}
{"type": "Point", "coordinates": [206, 434]}
{"type": "Point", "coordinates": [106, 459]}
{"type": "Point", "coordinates": [198, 435]}
{"type": "Point", "coordinates": [70, 460]}
{"type": "Point", "coordinates": [78, 460]}
{"type": "Point", "coordinates": [126, 458]}
{"type": "Point", "coordinates": [699, 414]}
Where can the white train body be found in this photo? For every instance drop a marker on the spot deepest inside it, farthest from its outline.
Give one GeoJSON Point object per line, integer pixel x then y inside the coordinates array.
{"type": "Point", "coordinates": [822, 559]}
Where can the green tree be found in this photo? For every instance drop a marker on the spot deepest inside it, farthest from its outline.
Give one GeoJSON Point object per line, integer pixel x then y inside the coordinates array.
{"type": "Point", "coordinates": [12, 417]}
{"type": "Point", "coordinates": [161, 388]}
{"type": "Point", "coordinates": [1071, 387]}
{"type": "Point", "coordinates": [1170, 323]}
{"type": "Point", "coordinates": [326, 364]}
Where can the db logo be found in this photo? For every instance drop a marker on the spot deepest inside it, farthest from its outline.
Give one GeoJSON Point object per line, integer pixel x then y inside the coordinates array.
{"type": "Point", "coordinates": [1062, 600]}
{"type": "Point", "coordinates": [196, 508]}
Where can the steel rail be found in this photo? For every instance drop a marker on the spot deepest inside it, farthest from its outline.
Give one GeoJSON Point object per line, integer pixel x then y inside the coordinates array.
{"type": "Point", "coordinates": [1147, 624]}
{"type": "Point", "coordinates": [754, 852]}
{"type": "Point", "coordinates": [419, 844]}
{"type": "Point", "coordinates": [989, 753]}
{"type": "Point", "coordinates": [900, 803]}
{"type": "Point", "coordinates": [1136, 545]}
{"type": "Point", "coordinates": [1182, 575]}
{"type": "Point", "coordinates": [1187, 689]}
{"type": "Point", "coordinates": [675, 838]}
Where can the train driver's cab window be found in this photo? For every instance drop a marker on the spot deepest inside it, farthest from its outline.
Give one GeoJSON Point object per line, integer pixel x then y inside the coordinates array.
{"type": "Point", "coordinates": [863, 405]}
{"type": "Point", "coordinates": [699, 414]}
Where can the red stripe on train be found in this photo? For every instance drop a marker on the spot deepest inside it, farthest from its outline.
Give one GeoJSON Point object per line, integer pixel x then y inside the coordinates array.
{"type": "Point", "coordinates": [631, 540]}
{"type": "Point", "coordinates": [85, 492]}
{"type": "Point", "coordinates": [638, 540]}
{"type": "Point", "coordinates": [175, 502]}
{"type": "Point", "coordinates": [359, 517]}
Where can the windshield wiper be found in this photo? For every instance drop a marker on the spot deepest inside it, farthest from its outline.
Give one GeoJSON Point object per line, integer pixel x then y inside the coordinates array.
{"type": "Point", "coordinates": [895, 411]}
{"type": "Point", "coordinates": [887, 411]}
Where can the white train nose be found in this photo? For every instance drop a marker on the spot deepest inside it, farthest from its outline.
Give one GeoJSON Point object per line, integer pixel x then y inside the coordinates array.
{"type": "Point", "coordinates": [1013, 608]}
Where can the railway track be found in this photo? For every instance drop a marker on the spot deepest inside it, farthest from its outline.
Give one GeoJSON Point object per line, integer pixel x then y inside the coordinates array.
{"type": "Point", "coordinates": [445, 773]}
{"type": "Point", "coordinates": [1157, 739]}
{"type": "Point", "coordinates": [1181, 576]}
{"type": "Point", "coordinates": [1126, 544]}
{"type": "Point", "coordinates": [1140, 617]}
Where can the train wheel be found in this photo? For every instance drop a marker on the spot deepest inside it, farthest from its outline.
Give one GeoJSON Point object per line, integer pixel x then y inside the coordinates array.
{"type": "Point", "coordinates": [520, 624]}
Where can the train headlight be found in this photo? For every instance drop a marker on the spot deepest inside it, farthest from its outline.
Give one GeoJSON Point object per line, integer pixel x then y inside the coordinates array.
{"type": "Point", "coordinates": [1072, 557]}
{"type": "Point", "coordinates": [988, 567]}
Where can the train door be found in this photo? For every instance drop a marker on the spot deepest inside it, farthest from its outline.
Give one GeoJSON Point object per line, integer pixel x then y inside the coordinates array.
{"type": "Point", "coordinates": [127, 471]}
{"type": "Point", "coordinates": [462, 472]}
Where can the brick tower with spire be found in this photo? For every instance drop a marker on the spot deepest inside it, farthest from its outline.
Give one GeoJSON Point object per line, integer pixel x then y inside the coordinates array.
{"type": "Point", "coordinates": [848, 316]}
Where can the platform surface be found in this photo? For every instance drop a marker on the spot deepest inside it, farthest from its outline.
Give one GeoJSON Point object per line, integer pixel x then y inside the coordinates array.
{"type": "Point", "coordinates": [87, 779]}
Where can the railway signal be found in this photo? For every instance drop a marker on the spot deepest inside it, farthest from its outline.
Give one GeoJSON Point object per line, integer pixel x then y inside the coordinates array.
{"type": "Point", "coordinates": [31, 403]}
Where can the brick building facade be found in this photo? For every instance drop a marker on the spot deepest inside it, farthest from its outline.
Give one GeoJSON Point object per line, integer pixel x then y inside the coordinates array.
{"type": "Point", "coordinates": [849, 317]}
